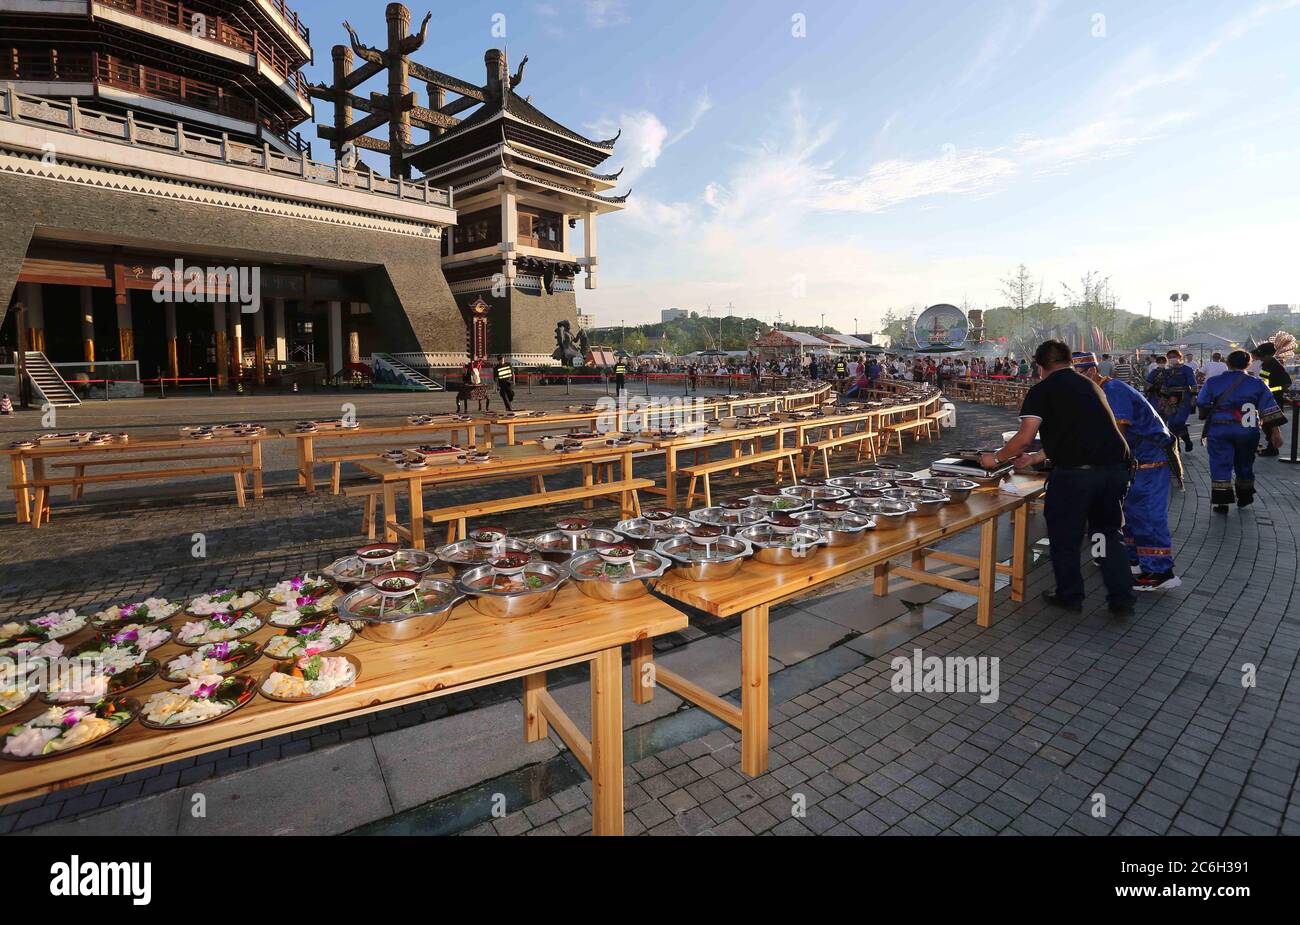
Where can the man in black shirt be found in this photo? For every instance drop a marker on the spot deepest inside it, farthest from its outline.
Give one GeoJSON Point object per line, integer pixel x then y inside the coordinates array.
{"type": "Point", "coordinates": [1275, 376]}
{"type": "Point", "coordinates": [1088, 479]}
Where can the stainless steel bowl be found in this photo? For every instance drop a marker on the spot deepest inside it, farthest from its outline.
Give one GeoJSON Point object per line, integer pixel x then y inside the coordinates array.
{"type": "Point", "coordinates": [925, 501]}
{"type": "Point", "coordinates": [351, 571]}
{"type": "Point", "coordinates": [597, 579]}
{"type": "Point", "coordinates": [558, 546]}
{"type": "Point", "coordinates": [401, 619]}
{"type": "Point", "coordinates": [956, 489]}
{"type": "Point", "coordinates": [691, 561]}
{"type": "Point", "coordinates": [848, 529]}
{"type": "Point", "coordinates": [856, 483]}
{"type": "Point", "coordinates": [645, 533]}
{"type": "Point", "coordinates": [815, 492]}
{"type": "Point", "coordinates": [727, 518]}
{"type": "Point", "coordinates": [888, 514]}
{"type": "Point", "coordinates": [784, 504]}
{"type": "Point", "coordinates": [521, 598]}
{"type": "Point", "coordinates": [466, 554]}
{"type": "Point", "coordinates": [778, 547]}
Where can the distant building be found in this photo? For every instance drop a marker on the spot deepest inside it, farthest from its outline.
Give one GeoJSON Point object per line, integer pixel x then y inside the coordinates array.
{"type": "Point", "coordinates": [672, 314]}
{"type": "Point", "coordinates": [586, 321]}
{"type": "Point", "coordinates": [1281, 309]}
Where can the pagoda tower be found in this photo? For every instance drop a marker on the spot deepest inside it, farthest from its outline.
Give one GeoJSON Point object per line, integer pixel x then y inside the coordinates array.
{"type": "Point", "coordinates": [523, 182]}
{"type": "Point", "coordinates": [231, 66]}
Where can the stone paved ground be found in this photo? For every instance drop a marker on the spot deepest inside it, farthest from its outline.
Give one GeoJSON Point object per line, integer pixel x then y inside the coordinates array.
{"type": "Point", "coordinates": [1149, 711]}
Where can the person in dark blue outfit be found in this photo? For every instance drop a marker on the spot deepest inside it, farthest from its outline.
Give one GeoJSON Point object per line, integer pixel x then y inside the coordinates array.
{"type": "Point", "coordinates": [1174, 390]}
{"type": "Point", "coordinates": [1147, 540]}
{"type": "Point", "coordinates": [1087, 481]}
{"type": "Point", "coordinates": [1236, 407]}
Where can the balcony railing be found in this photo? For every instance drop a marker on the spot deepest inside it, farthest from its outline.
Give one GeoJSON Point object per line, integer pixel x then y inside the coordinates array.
{"type": "Point", "coordinates": [54, 65]}
{"type": "Point", "coordinates": [217, 29]}
{"type": "Point", "coordinates": [292, 18]}
{"type": "Point", "coordinates": [179, 139]}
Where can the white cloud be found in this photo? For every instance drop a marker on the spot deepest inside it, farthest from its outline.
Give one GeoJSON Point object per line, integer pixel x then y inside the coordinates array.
{"type": "Point", "coordinates": [645, 137]}
{"type": "Point", "coordinates": [604, 13]}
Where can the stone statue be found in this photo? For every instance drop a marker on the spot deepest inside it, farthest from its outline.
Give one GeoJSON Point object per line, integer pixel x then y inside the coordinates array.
{"type": "Point", "coordinates": [568, 351]}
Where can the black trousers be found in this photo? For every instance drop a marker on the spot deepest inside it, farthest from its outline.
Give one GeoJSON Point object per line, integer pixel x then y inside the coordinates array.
{"type": "Point", "coordinates": [1091, 501]}
{"type": "Point", "coordinates": [507, 393]}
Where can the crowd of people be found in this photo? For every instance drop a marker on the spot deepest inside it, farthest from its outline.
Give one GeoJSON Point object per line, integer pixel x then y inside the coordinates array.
{"type": "Point", "coordinates": [1112, 451]}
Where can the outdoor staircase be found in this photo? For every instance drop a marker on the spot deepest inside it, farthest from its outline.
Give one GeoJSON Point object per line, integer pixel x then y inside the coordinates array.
{"type": "Point", "coordinates": [50, 386]}
{"type": "Point", "coordinates": [402, 373]}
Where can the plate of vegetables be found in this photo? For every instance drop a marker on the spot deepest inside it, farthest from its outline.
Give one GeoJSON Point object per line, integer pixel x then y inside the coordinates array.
{"type": "Point", "coordinates": [60, 730]}
{"type": "Point", "coordinates": [201, 700]}
{"type": "Point", "coordinates": [218, 628]}
{"type": "Point", "coordinates": [219, 658]}
{"type": "Point", "coordinates": [149, 611]}
{"type": "Point", "coordinates": [309, 678]}
{"type": "Point", "coordinates": [314, 639]}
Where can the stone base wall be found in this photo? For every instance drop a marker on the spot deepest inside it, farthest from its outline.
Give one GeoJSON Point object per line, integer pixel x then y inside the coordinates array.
{"type": "Point", "coordinates": [412, 306]}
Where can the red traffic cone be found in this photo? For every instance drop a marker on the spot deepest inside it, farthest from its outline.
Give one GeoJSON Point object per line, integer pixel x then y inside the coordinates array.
{"type": "Point", "coordinates": [6, 405]}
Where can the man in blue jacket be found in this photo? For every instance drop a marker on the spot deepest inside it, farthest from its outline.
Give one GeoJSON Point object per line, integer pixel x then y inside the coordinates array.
{"type": "Point", "coordinates": [1174, 389]}
{"type": "Point", "coordinates": [1147, 539]}
{"type": "Point", "coordinates": [1235, 408]}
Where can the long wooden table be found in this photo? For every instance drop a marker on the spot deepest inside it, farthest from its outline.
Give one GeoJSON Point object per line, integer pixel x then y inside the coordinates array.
{"type": "Point", "coordinates": [505, 461]}
{"type": "Point", "coordinates": [469, 651]}
{"type": "Point", "coordinates": [28, 463]}
{"type": "Point", "coordinates": [306, 442]}
{"type": "Point", "coordinates": [753, 590]}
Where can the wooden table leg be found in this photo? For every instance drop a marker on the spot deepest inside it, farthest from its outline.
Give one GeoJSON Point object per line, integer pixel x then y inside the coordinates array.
{"type": "Point", "coordinates": [257, 469]}
{"type": "Point", "coordinates": [753, 690]}
{"type": "Point", "coordinates": [670, 477]}
{"type": "Point", "coordinates": [535, 725]}
{"type": "Point", "coordinates": [416, 489]}
{"type": "Point", "coordinates": [607, 742]}
{"type": "Point", "coordinates": [988, 571]}
{"type": "Point", "coordinates": [643, 671]}
{"type": "Point", "coordinates": [390, 511]}
{"type": "Point", "coordinates": [1019, 550]}
{"type": "Point", "coordinates": [588, 479]}
{"type": "Point", "coordinates": [882, 580]}
{"type": "Point", "coordinates": [22, 496]}
{"type": "Point", "coordinates": [309, 464]}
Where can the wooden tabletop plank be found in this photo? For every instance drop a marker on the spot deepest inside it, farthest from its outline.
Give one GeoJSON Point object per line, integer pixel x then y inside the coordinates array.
{"type": "Point", "coordinates": [518, 458]}
{"type": "Point", "coordinates": [469, 650]}
{"type": "Point", "coordinates": [170, 443]}
{"type": "Point", "coordinates": [757, 583]}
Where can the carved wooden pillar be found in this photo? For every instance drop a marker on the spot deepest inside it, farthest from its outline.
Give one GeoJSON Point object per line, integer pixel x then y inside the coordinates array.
{"type": "Point", "coordinates": [399, 69]}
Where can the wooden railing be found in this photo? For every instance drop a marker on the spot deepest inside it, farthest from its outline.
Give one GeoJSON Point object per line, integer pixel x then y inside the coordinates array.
{"type": "Point", "coordinates": [150, 81]}
{"type": "Point", "coordinates": [218, 29]}
{"type": "Point", "coordinates": [292, 18]}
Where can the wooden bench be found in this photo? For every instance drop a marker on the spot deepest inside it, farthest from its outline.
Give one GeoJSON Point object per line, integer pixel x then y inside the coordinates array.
{"type": "Point", "coordinates": [79, 467]}
{"type": "Point", "coordinates": [899, 428]}
{"type": "Point", "coordinates": [865, 439]}
{"type": "Point", "coordinates": [702, 472]}
{"type": "Point", "coordinates": [456, 517]}
{"type": "Point", "coordinates": [42, 486]}
{"type": "Point", "coordinates": [371, 492]}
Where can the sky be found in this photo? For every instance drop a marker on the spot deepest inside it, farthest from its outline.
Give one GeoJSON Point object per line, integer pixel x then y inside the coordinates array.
{"type": "Point", "coordinates": [820, 159]}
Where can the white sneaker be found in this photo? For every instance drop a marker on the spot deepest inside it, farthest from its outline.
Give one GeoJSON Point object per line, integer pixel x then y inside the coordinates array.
{"type": "Point", "coordinates": [1150, 582]}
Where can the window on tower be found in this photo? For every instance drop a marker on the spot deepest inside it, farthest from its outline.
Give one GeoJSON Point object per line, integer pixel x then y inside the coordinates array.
{"type": "Point", "coordinates": [540, 229]}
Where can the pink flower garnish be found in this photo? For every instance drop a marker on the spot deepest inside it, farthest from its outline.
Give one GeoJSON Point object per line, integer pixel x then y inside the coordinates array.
{"type": "Point", "coordinates": [219, 651]}
{"type": "Point", "coordinates": [128, 636]}
{"type": "Point", "coordinates": [128, 610]}
{"type": "Point", "coordinates": [204, 691]}
{"type": "Point", "coordinates": [305, 602]}
{"type": "Point", "coordinates": [296, 584]}
{"type": "Point", "coordinates": [71, 720]}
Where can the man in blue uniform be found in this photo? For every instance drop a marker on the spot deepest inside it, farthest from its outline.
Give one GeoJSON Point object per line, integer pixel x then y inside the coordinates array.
{"type": "Point", "coordinates": [1147, 540]}
{"type": "Point", "coordinates": [1235, 407]}
{"type": "Point", "coordinates": [1174, 390]}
